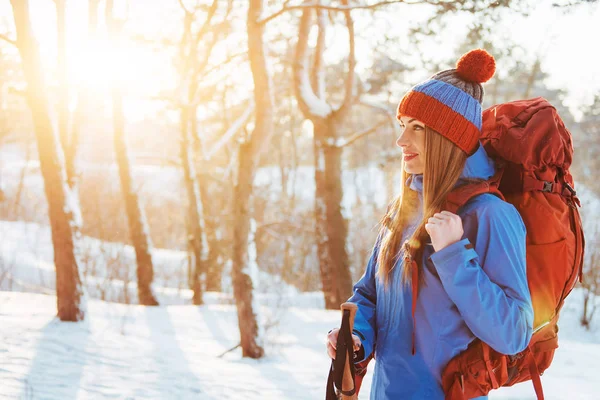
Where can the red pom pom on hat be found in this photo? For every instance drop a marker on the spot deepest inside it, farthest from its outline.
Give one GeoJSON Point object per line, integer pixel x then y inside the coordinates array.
{"type": "Point", "coordinates": [476, 66]}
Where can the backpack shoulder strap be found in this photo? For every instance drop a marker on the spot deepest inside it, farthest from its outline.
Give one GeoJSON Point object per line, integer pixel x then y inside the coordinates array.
{"type": "Point", "coordinates": [462, 194]}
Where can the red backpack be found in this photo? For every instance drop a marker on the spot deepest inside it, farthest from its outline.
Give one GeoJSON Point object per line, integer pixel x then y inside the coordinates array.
{"type": "Point", "coordinates": [533, 151]}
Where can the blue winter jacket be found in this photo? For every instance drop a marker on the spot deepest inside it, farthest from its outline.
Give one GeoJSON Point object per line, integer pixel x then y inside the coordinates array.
{"type": "Point", "coordinates": [469, 292]}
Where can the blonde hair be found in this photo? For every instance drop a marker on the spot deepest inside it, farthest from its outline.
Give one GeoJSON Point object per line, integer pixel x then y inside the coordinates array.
{"type": "Point", "coordinates": [444, 163]}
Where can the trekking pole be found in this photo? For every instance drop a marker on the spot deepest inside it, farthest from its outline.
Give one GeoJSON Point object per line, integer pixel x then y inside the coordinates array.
{"type": "Point", "coordinates": [342, 373]}
{"type": "Point", "coordinates": [348, 377]}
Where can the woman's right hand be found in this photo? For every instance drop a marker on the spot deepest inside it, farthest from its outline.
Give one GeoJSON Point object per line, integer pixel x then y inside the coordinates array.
{"type": "Point", "coordinates": [332, 342]}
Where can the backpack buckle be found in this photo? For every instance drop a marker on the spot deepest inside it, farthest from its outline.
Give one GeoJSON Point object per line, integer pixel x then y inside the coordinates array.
{"type": "Point", "coordinates": [548, 186]}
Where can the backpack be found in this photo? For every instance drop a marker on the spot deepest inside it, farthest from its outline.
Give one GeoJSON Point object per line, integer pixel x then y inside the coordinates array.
{"type": "Point", "coordinates": [533, 151]}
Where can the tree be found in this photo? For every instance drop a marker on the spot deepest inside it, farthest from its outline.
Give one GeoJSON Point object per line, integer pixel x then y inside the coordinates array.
{"type": "Point", "coordinates": [63, 86]}
{"type": "Point", "coordinates": [188, 57]}
{"type": "Point", "coordinates": [310, 90]}
{"type": "Point", "coordinates": [250, 150]}
{"type": "Point", "coordinates": [63, 208]}
{"type": "Point", "coordinates": [590, 285]}
{"type": "Point", "coordinates": [195, 50]}
{"type": "Point", "coordinates": [138, 226]}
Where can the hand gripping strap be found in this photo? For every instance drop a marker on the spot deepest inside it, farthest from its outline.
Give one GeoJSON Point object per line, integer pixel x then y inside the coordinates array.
{"type": "Point", "coordinates": [344, 350]}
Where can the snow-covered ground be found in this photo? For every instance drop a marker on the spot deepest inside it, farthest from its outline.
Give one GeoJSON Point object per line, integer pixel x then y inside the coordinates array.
{"type": "Point", "coordinates": [172, 352]}
{"type": "Point", "coordinates": [129, 352]}
{"type": "Point", "coordinates": [135, 352]}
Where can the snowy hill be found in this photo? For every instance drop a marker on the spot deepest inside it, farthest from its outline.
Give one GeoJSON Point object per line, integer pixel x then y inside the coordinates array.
{"type": "Point", "coordinates": [134, 352]}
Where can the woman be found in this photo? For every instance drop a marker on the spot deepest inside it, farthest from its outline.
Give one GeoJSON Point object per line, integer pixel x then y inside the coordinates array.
{"type": "Point", "coordinates": [469, 268]}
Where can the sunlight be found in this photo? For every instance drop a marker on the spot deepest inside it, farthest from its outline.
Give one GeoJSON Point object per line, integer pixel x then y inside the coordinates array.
{"type": "Point", "coordinates": [100, 65]}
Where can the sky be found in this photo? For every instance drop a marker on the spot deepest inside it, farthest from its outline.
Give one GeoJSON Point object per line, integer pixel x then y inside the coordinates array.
{"type": "Point", "coordinates": [564, 40]}
{"type": "Point", "coordinates": [568, 46]}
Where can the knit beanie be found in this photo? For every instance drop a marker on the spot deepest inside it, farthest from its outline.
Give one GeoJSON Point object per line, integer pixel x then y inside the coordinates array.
{"type": "Point", "coordinates": [450, 101]}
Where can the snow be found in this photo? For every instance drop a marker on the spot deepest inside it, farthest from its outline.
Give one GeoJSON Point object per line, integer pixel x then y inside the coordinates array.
{"type": "Point", "coordinates": [130, 351]}
{"type": "Point", "coordinates": [317, 106]}
{"type": "Point", "coordinates": [154, 353]}
{"type": "Point", "coordinates": [336, 142]}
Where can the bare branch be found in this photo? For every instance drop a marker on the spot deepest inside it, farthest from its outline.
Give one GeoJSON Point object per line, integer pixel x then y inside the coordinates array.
{"type": "Point", "coordinates": [311, 105]}
{"type": "Point", "coordinates": [7, 39]}
{"type": "Point", "coordinates": [229, 59]}
{"type": "Point", "coordinates": [318, 71]}
{"type": "Point", "coordinates": [183, 7]}
{"type": "Point", "coordinates": [203, 63]}
{"type": "Point", "coordinates": [207, 21]}
{"type": "Point", "coordinates": [349, 82]}
{"type": "Point", "coordinates": [336, 8]}
{"type": "Point", "coordinates": [229, 351]}
{"type": "Point", "coordinates": [233, 129]}
{"type": "Point", "coordinates": [346, 142]}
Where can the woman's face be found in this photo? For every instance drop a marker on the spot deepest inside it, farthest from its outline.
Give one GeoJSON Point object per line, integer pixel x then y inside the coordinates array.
{"type": "Point", "coordinates": [412, 143]}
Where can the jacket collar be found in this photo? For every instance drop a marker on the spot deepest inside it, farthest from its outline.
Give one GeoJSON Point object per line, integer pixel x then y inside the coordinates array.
{"type": "Point", "coordinates": [479, 165]}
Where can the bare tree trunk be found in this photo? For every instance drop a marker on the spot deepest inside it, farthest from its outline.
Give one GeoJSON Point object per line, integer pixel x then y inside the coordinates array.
{"type": "Point", "coordinates": [287, 167]}
{"type": "Point", "coordinates": [243, 288]}
{"type": "Point", "coordinates": [197, 239]}
{"type": "Point", "coordinates": [331, 228]}
{"type": "Point", "coordinates": [248, 157]}
{"type": "Point", "coordinates": [63, 209]}
{"type": "Point", "coordinates": [590, 286]}
{"type": "Point", "coordinates": [328, 278]}
{"type": "Point", "coordinates": [217, 234]}
{"type": "Point", "coordinates": [337, 226]}
{"type": "Point", "coordinates": [17, 202]}
{"type": "Point", "coordinates": [63, 86]}
{"type": "Point", "coordinates": [192, 65]}
{"type": "Point", "coordinates": [535, 69]}
{"type": "Point", "coordinates": [214, 269]}
{"type": "Point", "coordinates": [138, 226]}
{"type": "Point", "coordinates": [585, 319]}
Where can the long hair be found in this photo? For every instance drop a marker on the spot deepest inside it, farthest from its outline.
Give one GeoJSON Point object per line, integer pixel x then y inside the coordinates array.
{"type": "Point", "coordinates": [444, 163]}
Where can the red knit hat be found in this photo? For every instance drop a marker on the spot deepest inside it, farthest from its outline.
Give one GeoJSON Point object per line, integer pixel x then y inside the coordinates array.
{"type": "Point", "coordinates": [450, 101]}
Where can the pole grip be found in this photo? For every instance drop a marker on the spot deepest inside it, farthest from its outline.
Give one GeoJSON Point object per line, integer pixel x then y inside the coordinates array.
{"type": "Point", "coordinates": [347, 382]}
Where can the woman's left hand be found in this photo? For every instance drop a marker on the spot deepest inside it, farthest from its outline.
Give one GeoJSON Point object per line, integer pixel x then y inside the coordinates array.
{"type": "Point", "coordinates": [444, 228]}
